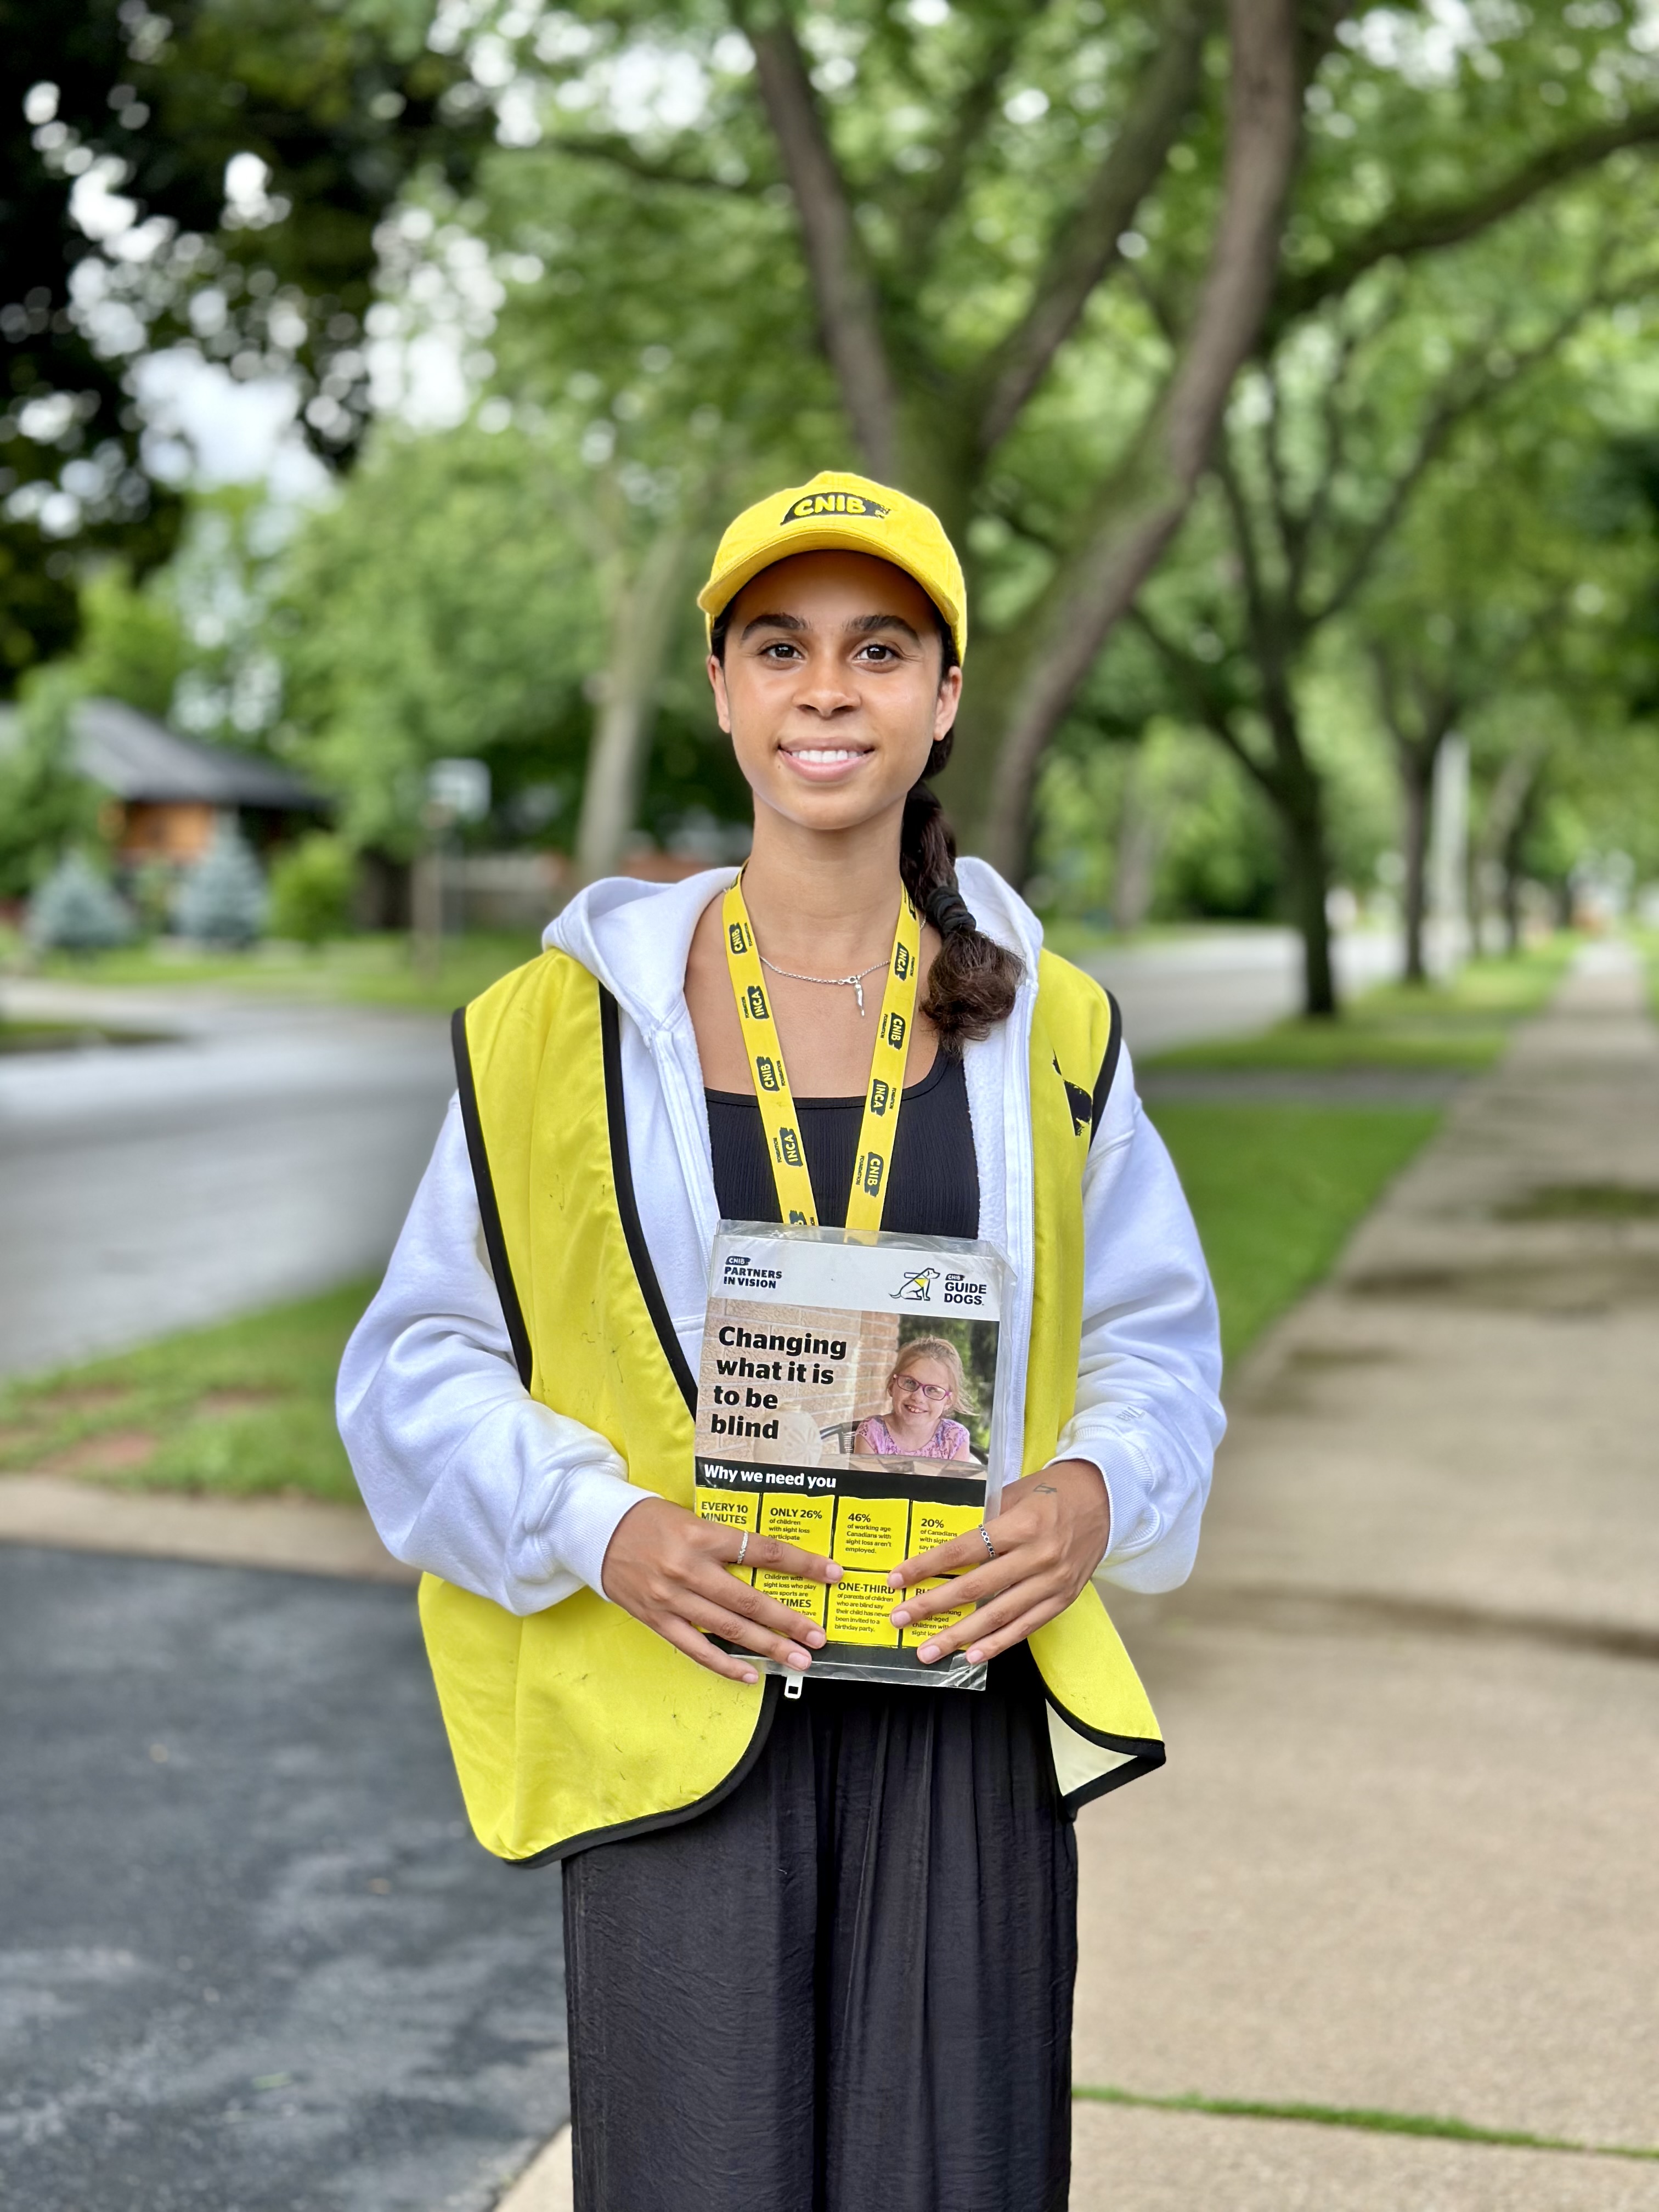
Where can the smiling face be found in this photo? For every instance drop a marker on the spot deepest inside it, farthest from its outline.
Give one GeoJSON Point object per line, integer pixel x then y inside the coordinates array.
{"type": "Point", "coordinates": [830, 688]}
{"type": "Point", "coordinates": [908, 1391]}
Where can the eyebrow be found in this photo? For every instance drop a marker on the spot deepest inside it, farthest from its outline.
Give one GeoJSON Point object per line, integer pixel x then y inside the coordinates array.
{"type": "Point", "coordinates": [860, 626]}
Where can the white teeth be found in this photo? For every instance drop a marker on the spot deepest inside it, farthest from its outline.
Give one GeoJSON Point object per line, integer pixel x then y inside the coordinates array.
{"type": "Point", "coordinates": [823, 753]}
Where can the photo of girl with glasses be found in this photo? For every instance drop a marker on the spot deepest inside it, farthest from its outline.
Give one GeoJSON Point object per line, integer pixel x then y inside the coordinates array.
{"type": "Point", "coordinates": [924, 1389]}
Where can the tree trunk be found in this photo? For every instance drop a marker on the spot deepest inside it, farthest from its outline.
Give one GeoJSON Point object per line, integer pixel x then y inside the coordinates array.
{"type": "Point", "coordinates": [1511, 892]}
{"type": "Point", "coordinates": [642, 617]}
{"type": "Point", "coordinates": [1416, 779]}
{"type": "Point", "coordinates": [1140, 509]}
{"type": "Point", "coordinates": [1137, 842]}
{"type": "Point", "coordinates": [1508, 816]}
{"type": "Point", "coordinates": [1307, 884]}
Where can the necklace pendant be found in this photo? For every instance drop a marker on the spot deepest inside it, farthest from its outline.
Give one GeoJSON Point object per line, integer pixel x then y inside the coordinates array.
{"type": "Point", "coordinates": [858, 986]}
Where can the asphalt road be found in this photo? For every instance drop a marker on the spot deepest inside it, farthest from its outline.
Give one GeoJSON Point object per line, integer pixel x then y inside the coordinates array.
{"type": "Point", "coordinates": [270, 1151]}
{"type": "Point", "coordinates": [250, 1958]}
{"type": "Point", "coordinates": [1224, 982]}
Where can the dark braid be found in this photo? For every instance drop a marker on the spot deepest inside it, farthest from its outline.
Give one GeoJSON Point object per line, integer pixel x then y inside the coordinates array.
{"type": "Point", "coordinates": [973, 980]}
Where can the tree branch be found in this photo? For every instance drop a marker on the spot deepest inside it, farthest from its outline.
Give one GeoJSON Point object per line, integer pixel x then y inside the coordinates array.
{"type": "Point", "coordinates": [848, 311]}
{"type": "Point", "coordinates": [1250, 558]}
{"type": "Point", "coordinates": [938, 192]}
{"type": "Point", "coordinates": [1443, 419]}
{"type": "Point", "coordinates": [1084, 243]}
{"type": "Point", "coordinates": [1409, 231]}
{"type": "Point", "coordinates": [1141, 507]}
{"type": "Point", "coordinates": [1196, 686]}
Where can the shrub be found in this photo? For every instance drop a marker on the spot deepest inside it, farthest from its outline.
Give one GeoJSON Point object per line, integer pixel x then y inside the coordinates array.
{"type": "Point", "coordinates": [311, 887]}
{"type": "Point", "coordinates": [222, 900]}
{"type": "Point", "coordinates": [76, 910]}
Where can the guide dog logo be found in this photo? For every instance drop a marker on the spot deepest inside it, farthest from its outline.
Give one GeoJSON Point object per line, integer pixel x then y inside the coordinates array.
{"type": "Point", "coordinates": [918, 1287]}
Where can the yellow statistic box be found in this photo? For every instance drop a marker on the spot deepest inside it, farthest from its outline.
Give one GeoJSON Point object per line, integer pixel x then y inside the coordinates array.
{"type": "Point", "coordinates": [802, 1522]}
{"type": "Point", "coordinates": [872, 1533]}
{"type": "Point", "coordinates": [923, 1630]}
{"type": "Point", "coordinates": [934, 1524]}
{"type": "Point", "coordinates": [859, 1612]}
{"type": "Point", "coordinates": [795, 1591]}
{"type": "Point", "coordinates": [737, 1508]}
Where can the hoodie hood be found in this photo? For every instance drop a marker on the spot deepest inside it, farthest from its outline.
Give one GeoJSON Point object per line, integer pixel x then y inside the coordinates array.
{"type": "Point", "coordinates": [637, 937]}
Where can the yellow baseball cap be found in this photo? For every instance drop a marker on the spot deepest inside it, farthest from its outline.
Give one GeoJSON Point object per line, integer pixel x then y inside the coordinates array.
{"type": "Point", "coordinates": [838, 510]}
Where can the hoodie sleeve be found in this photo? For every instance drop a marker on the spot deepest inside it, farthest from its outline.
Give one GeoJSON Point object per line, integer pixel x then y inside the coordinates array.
{"type": "Point", "coordinates": [463, 1472]}
{"type": "Point", "coordinates": [1147, 1413]}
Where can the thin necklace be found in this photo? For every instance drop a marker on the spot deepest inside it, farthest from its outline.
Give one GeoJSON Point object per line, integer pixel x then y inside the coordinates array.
{"type": "Point", "coordinates": [830, 982]}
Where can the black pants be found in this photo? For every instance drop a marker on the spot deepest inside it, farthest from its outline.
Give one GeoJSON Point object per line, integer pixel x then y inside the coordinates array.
{"type": "Point", "coordinates": [849, 1986]}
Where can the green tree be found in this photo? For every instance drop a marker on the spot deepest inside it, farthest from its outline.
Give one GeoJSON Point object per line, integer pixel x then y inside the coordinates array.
{"type": "Point", "coordinates": [1040, 241]}
{"type": "Point", "coordinates": [213, 175]}
{"type": "Point", "coordinates": [1329, 442]}
{"type": "Point", "coordinates": [1492, 612]}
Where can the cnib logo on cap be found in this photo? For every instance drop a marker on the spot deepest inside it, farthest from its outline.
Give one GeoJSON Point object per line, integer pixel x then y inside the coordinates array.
{"type": "Point", "coordinates": [833, 502]}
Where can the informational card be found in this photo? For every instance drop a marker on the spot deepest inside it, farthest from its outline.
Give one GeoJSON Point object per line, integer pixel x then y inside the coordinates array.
{"type": "Point", "coordinates": [846, 1404]}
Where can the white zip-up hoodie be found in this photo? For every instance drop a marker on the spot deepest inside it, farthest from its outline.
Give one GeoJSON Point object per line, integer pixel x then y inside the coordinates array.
{"type": "Point", "coordinates": [468, 1476]}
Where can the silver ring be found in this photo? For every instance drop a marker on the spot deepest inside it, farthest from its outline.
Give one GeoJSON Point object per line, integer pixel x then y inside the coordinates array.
{"type": "Point", "coordinates": [743, 1550]}
{"type": "Point", "coordinates": [989, 1546]}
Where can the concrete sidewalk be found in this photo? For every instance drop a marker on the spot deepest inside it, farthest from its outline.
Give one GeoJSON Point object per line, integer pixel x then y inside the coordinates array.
{"type": "Point", "coordinates": [1403, 1859]}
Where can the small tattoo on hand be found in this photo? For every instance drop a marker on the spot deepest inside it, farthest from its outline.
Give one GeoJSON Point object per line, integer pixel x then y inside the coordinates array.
{"type": "Point", "coordinates": [1046, 1490]}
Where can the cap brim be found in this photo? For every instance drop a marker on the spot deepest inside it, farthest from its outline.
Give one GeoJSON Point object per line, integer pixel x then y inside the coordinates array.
{"type": "Point", "coordinates": [719, 592]}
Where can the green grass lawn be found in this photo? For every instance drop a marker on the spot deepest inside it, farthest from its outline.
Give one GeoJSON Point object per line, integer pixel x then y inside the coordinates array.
{"type": "Point", "coordinates": [374, 970]}
{"type": "Point", "coordinates": [1464, 1024]}
{"type": "Point", "coordinates": [1646, 943]}
{"type": "Point", "coordinates": [68, 1037]}
{"type": "Point", "coordinates": [246, 1407]}
{"type": "Point", "coordinates": [1275, 1191]}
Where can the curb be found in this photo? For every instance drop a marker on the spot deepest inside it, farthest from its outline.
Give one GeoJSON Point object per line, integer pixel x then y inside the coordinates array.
{"type": "Point", "coordinates": [286, 1535]}
{"type": "Point", "coordinates": [545, 2185]}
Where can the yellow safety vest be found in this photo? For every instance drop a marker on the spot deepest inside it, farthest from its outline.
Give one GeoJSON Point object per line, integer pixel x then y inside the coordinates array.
{"type": "Point", "coordinates": [579, 1725]}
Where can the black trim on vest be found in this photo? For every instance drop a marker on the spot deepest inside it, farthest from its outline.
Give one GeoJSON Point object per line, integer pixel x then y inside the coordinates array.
{"type": "Point", "coordinates": [1108, 1069]}
{"type": "Point", "coordinates": [490, 1212]}
{"type": "Point", "coordinates": [622, 1169]}
{"type": "Point", "coordinates": [591, 1838]}
{"type": "Point", "coordinates": [1145, 1755]}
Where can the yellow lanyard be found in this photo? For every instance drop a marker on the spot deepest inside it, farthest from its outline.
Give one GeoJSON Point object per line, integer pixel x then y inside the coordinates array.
{"type": "Point", "coordinates": [771, 1079]}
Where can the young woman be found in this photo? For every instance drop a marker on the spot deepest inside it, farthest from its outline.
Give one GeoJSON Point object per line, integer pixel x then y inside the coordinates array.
{"type": "Point", "coordinates": [819, 1949]}
{"type": "Point", "coordinates": [924, 1389]}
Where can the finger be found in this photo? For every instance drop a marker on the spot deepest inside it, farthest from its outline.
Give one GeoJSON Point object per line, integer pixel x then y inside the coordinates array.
{"type": "Point", "coordinates": [978, 1588]}
{"type": "Point", "coordinates": [778, 1557]}
{"type": "Point", "coordinates": [736, 1628]}
{"type": "Point", "coordinates": [764, 1612]}
{"type": "Point", "coordinates": [980, 1629]}
{"type": "Point", "coordinates": [685, 1637]}
{"type": "Point", "coordinates": [951, 1558]}
{"type": "Point", "coordinates": [1016, 1632]}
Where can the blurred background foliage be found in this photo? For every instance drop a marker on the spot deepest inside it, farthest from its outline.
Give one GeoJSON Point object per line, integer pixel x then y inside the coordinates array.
{"type": "Point", "coordinates": [545, 293]}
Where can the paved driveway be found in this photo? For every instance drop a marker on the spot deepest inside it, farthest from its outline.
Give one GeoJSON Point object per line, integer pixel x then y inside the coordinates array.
{"type": "Point", "coordinates": [250, 1958]}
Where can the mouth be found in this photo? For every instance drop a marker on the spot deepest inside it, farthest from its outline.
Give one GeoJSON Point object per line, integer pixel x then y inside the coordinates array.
{"type": "Point", "coordinates": [826, 764]}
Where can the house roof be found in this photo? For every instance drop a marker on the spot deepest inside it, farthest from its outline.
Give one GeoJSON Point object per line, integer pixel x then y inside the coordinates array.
{"type": "Point", "coordinates": [135, 757]}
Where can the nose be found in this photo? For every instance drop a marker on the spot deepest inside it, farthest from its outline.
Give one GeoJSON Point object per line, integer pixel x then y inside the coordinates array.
{"type": "Point", "coordinates": [824, 689]}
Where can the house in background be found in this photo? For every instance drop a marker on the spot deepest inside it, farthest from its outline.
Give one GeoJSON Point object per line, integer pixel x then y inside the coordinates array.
{"type": "Point", "coordinates": [171, 791]}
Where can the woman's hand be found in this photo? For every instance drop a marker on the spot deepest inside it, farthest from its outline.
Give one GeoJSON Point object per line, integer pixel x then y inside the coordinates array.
{"type": "Point", "coordinates": [1050, 1534]}
{"type": "Point", "coordinates": [669, 1570]}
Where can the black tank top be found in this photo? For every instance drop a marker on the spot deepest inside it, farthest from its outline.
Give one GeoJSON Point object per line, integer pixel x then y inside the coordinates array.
{"type": "Point", "coordinates": [934, 1191]}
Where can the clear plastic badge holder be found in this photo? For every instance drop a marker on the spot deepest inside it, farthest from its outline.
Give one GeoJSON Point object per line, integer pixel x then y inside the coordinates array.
{"type": "Point", "coordinates": [850, 1403]}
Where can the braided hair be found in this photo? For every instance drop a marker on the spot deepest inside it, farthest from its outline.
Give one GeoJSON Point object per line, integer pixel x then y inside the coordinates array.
{"type": "Point", "coordinates": [972, 983]}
